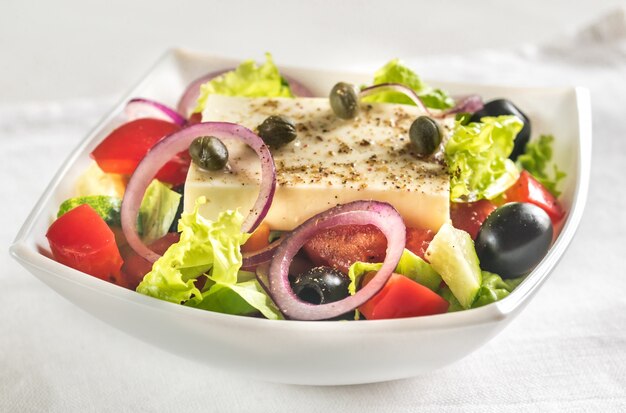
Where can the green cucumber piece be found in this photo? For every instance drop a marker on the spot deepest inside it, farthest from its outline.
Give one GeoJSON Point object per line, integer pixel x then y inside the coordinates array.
{"type": "Point", "coordinates": [451, 253]}
{"type": "Point", "coordinates": [108, 207]}
{"type": "Point", "coordinates": [415, 268]}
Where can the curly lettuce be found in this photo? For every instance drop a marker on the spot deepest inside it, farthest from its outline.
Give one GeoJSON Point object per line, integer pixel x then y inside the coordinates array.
{"type": "Point", "coordinates": [396, 72]}
{"type": "Point", "coordinates": [493, 288]}
{"type": "Point", "coordinates": [247, 80]}
{"type": "Point", "coordinates": [477, 155]}
{"type": "Point", "coordinates": [209, 252]}
{"type": "Point", "coordinates": [536, 159]}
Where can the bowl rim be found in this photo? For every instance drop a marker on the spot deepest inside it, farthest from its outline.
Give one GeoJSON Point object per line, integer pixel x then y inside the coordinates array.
{"type": "Point", "coordinates": [29, 257]}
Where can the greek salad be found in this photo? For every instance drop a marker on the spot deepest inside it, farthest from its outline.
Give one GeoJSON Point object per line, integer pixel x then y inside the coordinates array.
{"type": "Point", "coordinates": [255, 197]}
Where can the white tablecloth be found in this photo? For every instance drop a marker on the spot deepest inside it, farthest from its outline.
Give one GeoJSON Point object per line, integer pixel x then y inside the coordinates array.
{"type": "Point", "coordinates": [566, 352]}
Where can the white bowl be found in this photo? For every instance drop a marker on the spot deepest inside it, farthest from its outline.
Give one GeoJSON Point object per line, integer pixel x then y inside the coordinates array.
{"type": "Point", "coordinates": [320, 353]}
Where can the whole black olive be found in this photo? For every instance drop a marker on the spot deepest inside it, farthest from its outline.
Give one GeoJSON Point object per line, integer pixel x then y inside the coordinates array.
{"type": "Point", "coordinates": [344, 100]}
{"type": "Point", "coordinates": [425, 135]}
{"type": "Point", "coordinates": [514, 239]}
{"type": "Point", "coordinates": [277, 131]}
{"type": "Point", "coordinates": [321, 285]}
{"type": "Point", "coordinates": [208, 152]}
{"type": "Point", "coordinates": [501, 107]}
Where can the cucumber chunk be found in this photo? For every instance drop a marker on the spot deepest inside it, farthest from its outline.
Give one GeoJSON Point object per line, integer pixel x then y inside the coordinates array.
{"type": "Point", "coordinates": [451, 253]}
{"type": "Point", "coordinates": [108, 207]}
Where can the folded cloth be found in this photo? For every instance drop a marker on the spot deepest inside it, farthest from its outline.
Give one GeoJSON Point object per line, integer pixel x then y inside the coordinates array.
{"type": "Point", "coordinates": [566, 352]}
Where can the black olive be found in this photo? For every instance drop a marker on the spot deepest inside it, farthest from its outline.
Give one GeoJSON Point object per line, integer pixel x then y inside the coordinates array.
{"type": "Point", "coordinates": [344, 100]}
{"type": "Point", "coordinates": [321, 285]}
{"type": "Point", "coordinates": [514, 239]}
{"type": "Point", "coordinates": [277, 131]}
{"type": "Point", "coordinates": [500, 107]}
{"type": "Point", "coordinates": [208, 152]}
{"type": "Point", "coordinates": [181, 190]}
{"type": "Point", "coordinates": [425, 135]}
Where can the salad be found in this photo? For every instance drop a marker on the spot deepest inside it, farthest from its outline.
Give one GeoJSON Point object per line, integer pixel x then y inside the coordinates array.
{"type": "Point", "coordinates": [254, 197]}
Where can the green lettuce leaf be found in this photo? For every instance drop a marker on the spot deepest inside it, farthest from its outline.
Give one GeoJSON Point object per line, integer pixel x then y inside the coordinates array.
{"type": "Point", "coordinates": [536, 159]}
{"type": "Point", "coordinates": [493, 288]}
{"type": "Point", "coordinates": [239, 299]}
{"type": "Point", "coordinates": [410, 265]}
{"type": "Point", "coordinates": [396, 72]}
{"type": "Point", "coordinates": [157, 211]}
{"type": "Point", "coordinates": [478, 161]}
{"type": "Point", "coordinates": [247, 80]}
{"type": "Point", "coordinates": [209, 250]}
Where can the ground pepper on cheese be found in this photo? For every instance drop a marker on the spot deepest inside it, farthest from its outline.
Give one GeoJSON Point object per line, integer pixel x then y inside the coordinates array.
{"type": "Point", "coordinates": [331, 161]}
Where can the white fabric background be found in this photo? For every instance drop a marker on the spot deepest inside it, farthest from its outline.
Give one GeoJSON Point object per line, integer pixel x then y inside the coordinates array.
{"type": "Point", "coordinates": [566, 352]}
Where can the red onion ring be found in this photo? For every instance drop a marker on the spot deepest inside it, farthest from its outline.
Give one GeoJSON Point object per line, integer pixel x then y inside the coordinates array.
{"type": "Point", "coordinates": [145, 108]}
{"type": "Point", "coordinates": [188, 100]}
{"type": "Point", "coordinates": [380, 214]}
{"type": "Point", "coordinates": [255, 258]}
{"type": "Point", "coordinates": [396, 87]}
{"type": "Point", "coordinates": [469, 104]}
{"type": "Point", "coordinates": [297, 88]}
{"type": "Point", "coordinates": [466, 104]}
{"type": "Point", "coordinates": [164, 150]}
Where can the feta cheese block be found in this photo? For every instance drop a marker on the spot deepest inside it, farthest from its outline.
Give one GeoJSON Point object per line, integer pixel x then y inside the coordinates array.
{"type": "Point", "coordinates": [332, 161]}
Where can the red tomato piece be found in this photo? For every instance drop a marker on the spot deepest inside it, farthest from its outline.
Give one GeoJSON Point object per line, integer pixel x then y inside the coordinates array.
{"type": "Point", "coordinates": [340, 246]}
{"type": "Point", "coordinates": [82, 240]}
{"type": "Point", "coordinates": [135, 266]}
{"type": "Point", "coordinates": [528, 189]}
{"type": "Point", "coordinates": [343, 245]}
{"type": "Point", "coordinates": [402, 297]}
{"type": "Point", "coordinates": [122, 150]}
{"type": "Point", "coordinates": [469, 216]}
{"type": "Point", "coordinates": [259, 239]}
{"type": "Point", "coordinates": [418, 239]}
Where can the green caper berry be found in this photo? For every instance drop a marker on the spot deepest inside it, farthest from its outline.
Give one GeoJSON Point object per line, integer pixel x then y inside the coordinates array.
{"type": "Point", "coordinates": [344, 100]}
{"type": "Point", "coordinates": [208, 152]}
{"type": "Point", "coordinates": [425, 135]}
{"type": "Point", "coordinates": [277, 131]}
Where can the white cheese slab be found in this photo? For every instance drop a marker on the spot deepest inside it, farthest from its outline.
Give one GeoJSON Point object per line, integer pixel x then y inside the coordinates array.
{"type": "Point", "coordinates": [332, 161]}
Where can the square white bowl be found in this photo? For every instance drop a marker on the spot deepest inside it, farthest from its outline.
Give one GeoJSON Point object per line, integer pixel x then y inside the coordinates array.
{"type": "Point", "coordinates": [297, 352]}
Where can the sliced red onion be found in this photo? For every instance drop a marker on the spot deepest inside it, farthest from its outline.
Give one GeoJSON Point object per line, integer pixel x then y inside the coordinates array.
{"type": "Point", "coordinates": [379, 214]}
{"type": "Point", "coordinates": [297, 88]}
{"type": "Point", "coordinates": [264, 255]}
{"type": "Point", "coordinates": [164, 150]}
{"type": "Point", "coordinates": [188, 100]}
{"type": "Point", "coordinates": [145, 108]}
{"type": "Point", "coordinates": [466, 104]}
{"type": "Point", "coordinates": [396, 87]}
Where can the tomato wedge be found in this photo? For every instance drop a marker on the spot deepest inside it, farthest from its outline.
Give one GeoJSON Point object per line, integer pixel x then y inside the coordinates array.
{"type": "Point", "coordinates": [82, 240]}
{"type": "Point", "coordinates": [343, 245]}
{"type": "Point", "coordinates": [469, 216]}
{"type": "Point", "coordinates": [259, 239]}
{"type": "Point", "coordinates": [122, 150]}
{"type": "Point", "coordinates": [528, 189]}
{"type": "Point", "coordinates": [135, 266]}
{"type": "Point", "coordinates": [402, 297]}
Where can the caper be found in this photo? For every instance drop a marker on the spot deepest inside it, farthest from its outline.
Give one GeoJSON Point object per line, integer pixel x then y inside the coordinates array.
{"type": "Point", "coordinates": [277, 131]}
{"type": "Point", "coordinates": [425, 135]}
{"type": "Point", "coordinates": [344, 100]}
{"type": "Point", "coordinates": [208, 152]}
